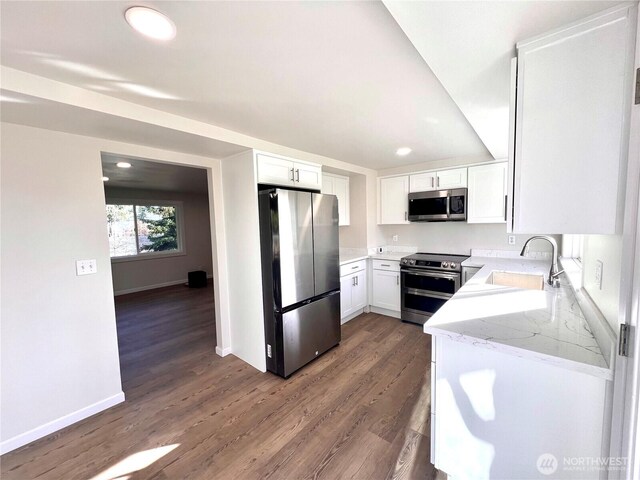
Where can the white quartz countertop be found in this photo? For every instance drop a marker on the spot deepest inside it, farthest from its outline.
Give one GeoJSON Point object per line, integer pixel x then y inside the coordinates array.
{"type": "Point", "coordinates": [354, 257]}
{"type": "Point", "coordinates": [546, 326]}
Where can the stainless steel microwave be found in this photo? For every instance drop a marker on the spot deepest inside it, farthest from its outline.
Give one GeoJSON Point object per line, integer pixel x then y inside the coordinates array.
{"type": "Point", "coordinates": [438, 206]}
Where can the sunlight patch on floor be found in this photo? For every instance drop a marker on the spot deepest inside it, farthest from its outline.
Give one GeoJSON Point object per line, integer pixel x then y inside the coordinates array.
{"type": "Point", "coordinates": [135, 462]}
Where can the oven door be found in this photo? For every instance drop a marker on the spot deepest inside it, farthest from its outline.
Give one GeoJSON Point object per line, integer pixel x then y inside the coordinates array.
{"type": "Point", "coordinates": [424, 292]}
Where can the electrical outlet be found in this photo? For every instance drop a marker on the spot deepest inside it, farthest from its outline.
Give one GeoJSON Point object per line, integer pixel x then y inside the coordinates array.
{"type": "Point", "coordinates": [512, 239]}
{"type": "Point", "coordinates": [86, 267]}
{"type": "Point", "coordinates": [599, 274]}
{"type": "Point", "coordinates": [395, 238]}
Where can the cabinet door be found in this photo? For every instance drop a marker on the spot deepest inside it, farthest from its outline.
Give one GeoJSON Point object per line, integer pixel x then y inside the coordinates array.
{"type": "Point", "coordinates": [308, 176]}
{"type": "Point", "coordinates": [275, 171]}
{"type": "Point", "coordinates": [386, 290]}
{"type": "Point", "coordinates": [573, 98]}
{"type": "Point", "coordinates": [359, 295]}
{"type": "Point", "coordinates": [422, 182]}
{"type": "Point", "coordinates": [487, 193]}
{"type": "Point", "coordinates": [393, 200]}
{"type": "Point", "coordinates": [327, 184]}
{"type": "Point", "coordinates": [346, 297]}
{"type": "Point", "coordinates": [455, 178]}
{"type": "Point", "coordinates": [341, 190]}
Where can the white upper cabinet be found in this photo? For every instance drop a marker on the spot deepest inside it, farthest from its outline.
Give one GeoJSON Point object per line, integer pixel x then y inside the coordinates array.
{"type": "Point", "coordinates": [573, 100]}
{"type": "Point", "coordinates": [392, 200]}
{"type": "Point", "coordinates": [425, 181]}
{"type": "Point", "coordinates": [339, 186]}
{"type": "Point", "coordinates": [487, 193]}
{"type": "Point", "coordinates": [275, 170]}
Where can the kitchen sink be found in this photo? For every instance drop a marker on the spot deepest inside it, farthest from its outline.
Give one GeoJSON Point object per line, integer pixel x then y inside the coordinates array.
{"type": "Point", "coordinates": [518, 280]}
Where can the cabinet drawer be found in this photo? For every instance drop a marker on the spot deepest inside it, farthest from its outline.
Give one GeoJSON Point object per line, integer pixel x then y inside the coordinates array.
{"type": "Point", "coordinates": [392, 265]}
{"type": "Point", "coordinates": [352, 267]}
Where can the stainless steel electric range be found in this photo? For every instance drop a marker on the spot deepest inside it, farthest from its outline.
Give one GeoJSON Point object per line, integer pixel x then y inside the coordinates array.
{"type": "Point", "coordinates": [428, 280]}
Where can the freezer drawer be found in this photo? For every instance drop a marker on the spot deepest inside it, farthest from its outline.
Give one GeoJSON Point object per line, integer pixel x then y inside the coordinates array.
{"type": "Point", "coordinates": [309, 331]}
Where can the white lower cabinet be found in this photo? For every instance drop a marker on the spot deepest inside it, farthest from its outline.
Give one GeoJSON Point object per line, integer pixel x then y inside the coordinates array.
{"type": "Point", "coordinates": [494, 415]}
{"type": "Point", "coordinates": [353, 289]}
{"type": "Point", "coordinates": [386, 285]}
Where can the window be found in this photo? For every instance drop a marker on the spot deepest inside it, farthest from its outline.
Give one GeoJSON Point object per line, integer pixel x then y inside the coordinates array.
{"type": "Point", "coordinates": [137, 229]}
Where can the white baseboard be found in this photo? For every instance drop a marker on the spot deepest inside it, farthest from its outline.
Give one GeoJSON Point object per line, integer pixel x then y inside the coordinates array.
{"type": "Point", "coordinates": [223, 352]}
{"type": "Point", "coordinates": [59, 423]}
{"type": "Point", "coordinates": [384, 311]}
{"type": "Point", "coordinates": [153, 287]}
{"type": "Point", "coordinates": [351, 316]}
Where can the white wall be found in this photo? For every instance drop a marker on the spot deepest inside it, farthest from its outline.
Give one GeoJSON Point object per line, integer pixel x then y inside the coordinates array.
{"type": "Point", "coordinates": [59, 356]}
{"type": "Point", "coordinates": [139, 274]}
{"type": "Point", "coordinates": [58, 333]}
{"type": "Point", "coordinates": [455, 237]}
{"type": "Point", "coordinates": [243, 249]}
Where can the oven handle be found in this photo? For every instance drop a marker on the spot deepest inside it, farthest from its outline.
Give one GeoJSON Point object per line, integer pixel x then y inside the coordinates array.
{"type": "Point", "coordinates": [420, 273]}
{"type": "Point", "coordinates": [427, 293]}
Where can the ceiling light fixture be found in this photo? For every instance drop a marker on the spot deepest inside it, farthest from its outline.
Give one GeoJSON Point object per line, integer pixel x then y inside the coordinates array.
{"type": "Point", "coordinates": [123, 165]}
{"type": "Point", "coordinates": [151, 23]}
{"type": "Point", "coordinates": [403, 151]}
{"type": "Point", "coordinates": [105, 179]}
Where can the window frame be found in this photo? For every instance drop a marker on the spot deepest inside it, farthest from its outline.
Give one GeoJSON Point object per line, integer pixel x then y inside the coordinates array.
{"type": "Point", "coordinates": [177, 204]}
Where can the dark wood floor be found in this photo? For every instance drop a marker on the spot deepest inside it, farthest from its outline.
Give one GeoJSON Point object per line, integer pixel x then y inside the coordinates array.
{"type": "Point", "coordinates": [360, 411]}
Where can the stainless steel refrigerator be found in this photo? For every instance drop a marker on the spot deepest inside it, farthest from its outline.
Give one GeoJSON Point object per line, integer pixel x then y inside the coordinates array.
{"type": "Point", "coordinates": [300, 276]}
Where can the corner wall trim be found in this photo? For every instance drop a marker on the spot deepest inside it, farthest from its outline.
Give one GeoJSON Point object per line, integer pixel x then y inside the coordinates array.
{"type": "Point", "coordinates": [59, 423]}
{"type": "Point", "coordinates": [223, 352]}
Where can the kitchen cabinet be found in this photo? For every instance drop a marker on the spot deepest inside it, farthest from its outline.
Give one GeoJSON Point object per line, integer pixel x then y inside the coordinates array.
{"type": "Point", "coordinates": [442, 179]}
{"type": "Point", "coordinates": [274, 170]}
{"type": "Point", "coordinates": [392, 200]}
{"type": "Point", "coordinates": [570, 123]}
{"type": "Point", "coordinates": [353, 288]}
{"type": "Point", "coordinates": [487, 200]}
{"type": "Point", "coordinates": [386, 285]}
{"type": "Point", "coordinates": [339, 186]}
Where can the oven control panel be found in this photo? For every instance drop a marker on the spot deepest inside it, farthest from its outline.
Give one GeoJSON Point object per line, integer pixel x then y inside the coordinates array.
{"type": "Point", "coordinates": [429, 264]}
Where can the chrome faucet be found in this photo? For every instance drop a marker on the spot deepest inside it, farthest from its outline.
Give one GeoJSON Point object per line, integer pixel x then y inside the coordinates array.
{"type": "Point", "coordinates": [553, 280]}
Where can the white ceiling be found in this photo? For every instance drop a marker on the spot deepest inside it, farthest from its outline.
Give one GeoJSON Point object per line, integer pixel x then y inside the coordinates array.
{"type": "Point", "coordinates": [148, 175]}
{"type": "Point", "coordinates": [469, 46]}
{"type": "Point", "coordinates": [339, 79]}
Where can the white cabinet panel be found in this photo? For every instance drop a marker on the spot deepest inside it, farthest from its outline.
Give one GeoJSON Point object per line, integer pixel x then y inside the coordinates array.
{"type": "Point", "coordinates": [308, 176]}
{"type": "Point", "coordinates": [274, 170]}
{"type": "Point", "coordinates": [573, 97]}
{"type": "Point", "coordinates": [422, 182]}
{"type": "Point", "coordinates": [339, 186]}
{"type": "Point", "coordinates": [487, 193]}
{"type": "Point", "coordinates": [353, 288]}
{"type": "Point", "coordinates": [386, 289]}
{"type": "Point", "coordinates": [393, 201]}
{"type": "Point", "coordinates": [455, 178]}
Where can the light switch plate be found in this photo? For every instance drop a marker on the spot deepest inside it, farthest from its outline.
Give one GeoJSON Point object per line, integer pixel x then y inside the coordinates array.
{"type": "Point", "coordinates": [86, 267]}
{"type": "Point", "coordinates": [395, 238]}
{"type": "Point", "coordinates": [599, 274]}
{"type": "Point", "coordinates": [512, 239]}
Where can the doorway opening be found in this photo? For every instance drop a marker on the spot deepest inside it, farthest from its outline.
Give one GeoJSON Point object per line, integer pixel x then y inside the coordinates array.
{"type": "Point", "coordinates": [159, 229]}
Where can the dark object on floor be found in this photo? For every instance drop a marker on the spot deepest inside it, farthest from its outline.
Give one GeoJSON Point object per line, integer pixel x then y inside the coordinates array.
{"type": "Point", "coordinates": [197, 279]}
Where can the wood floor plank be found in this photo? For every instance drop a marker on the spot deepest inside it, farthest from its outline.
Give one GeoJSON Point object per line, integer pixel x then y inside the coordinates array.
{"type": "Point", "coordinates": [360, 411]}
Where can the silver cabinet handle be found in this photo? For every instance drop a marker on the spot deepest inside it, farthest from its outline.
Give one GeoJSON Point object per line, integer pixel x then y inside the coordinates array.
{"type": "Point", "coordinates": [397, 279]}
{"type": "Point", "coordinates": [353, 281]}
{"type": "Point", "coordinates": [297, 175]}
{"type": "Point", "coordinates": [432, 180]}
{"type": "Point", "coordinates": [353, 268]}
{"type": "Point", "coordinates": [384, 265]}
{"type": "Point", "coordinates": [438, 182]}
{"type": "Point", "coordinates": [405, 216]}
{"type": "Point", "coordinates": [292, 178]}
{"type": "Point", "coordinates": [357, 282]}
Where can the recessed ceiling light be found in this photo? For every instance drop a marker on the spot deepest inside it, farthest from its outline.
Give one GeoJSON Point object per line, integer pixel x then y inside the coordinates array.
{"type": "Point", "coordinates": [403, 151]}
{"type": "Point", "coordinates": [123, 165]}
{"type": "Point", "coordinates": [151, 23]}
{"type": "Point", "coordinates": [105, 179]}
